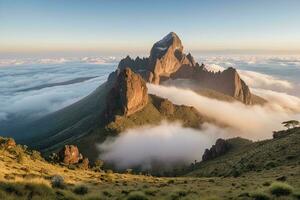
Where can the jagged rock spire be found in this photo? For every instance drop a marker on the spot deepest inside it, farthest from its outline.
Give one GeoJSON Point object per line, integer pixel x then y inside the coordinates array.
{"type": "Point", "coordinates": [128, 95]}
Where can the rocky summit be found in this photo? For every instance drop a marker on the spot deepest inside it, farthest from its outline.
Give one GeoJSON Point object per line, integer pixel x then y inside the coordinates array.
{"type": "Point", "coordinates": [168, 61]}
{"type": "Point", "coordinates": [130, 93]}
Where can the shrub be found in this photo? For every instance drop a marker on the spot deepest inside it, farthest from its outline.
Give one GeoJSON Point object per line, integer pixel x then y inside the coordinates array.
{"type": "Point", "coordinates": [178, 194]}
{"type": "Point", "coordinates": [40, 190]}
{"type": "Point", "coordinates": [30, 190]}
{"type": "Point", "coordinates": [296, 194]}
{"type": "Point", "coordinates": [270, 165]}
{"type": "Point", "coordinates": [35, 155]}
{"type": "Point", "coordinates": [137, 196]}
{"type": "Point", "coordinates": [281, 189]}
{"type": "Point", "coordinates": [57, 181]}
{"type": "Point", "coordinates": [13, 188]}
{"type": "Point", "coordinates": [20, 158]}
{"type": "Point", "coordinates": [98, 164]}
{"type": "Point", "coordinates": [258, 195]}
{"type": "Point", "coordinates": [81, 190]}
{"type": "Point", "coordinates": [72, 167]}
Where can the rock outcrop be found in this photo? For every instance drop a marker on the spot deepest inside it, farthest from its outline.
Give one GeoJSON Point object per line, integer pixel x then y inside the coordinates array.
{"type": "Point", "coordinates": [166, 57]}
{"type": "Point", "coordinates": [7, 143]}
{"type": "Point", "coordinates": [128, 95]}
{"type": "Point", "coordinates": [69, 154]}
{"type": "Point", "coordinates": [220, 148]}
{"type": "Point", "coordinates": [168, 61]}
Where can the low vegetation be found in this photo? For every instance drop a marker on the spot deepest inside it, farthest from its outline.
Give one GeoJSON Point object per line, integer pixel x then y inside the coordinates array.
{"type": "Point", "coordinates": [35, 178]}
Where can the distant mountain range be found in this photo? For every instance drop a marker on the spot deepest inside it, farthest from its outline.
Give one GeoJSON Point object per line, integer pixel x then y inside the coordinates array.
{"type": "Point", "coordinates": [123, 101]}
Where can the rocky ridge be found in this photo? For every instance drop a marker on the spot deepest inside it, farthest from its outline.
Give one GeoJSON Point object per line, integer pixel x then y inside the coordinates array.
{"type": "Point", "coordinates": [168, 61]}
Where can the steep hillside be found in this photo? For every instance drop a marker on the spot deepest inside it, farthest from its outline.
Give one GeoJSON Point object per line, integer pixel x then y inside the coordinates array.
{"type": "Point", "coordinates": [246, 156]}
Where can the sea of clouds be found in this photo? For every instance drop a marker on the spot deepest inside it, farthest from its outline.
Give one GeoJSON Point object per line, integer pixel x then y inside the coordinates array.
{"type": "Point", "coordinates": [21, 97]}
{"type": "Point", "coordinates": [273, 78]}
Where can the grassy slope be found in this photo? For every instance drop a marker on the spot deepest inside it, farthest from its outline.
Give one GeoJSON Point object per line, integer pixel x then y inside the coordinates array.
{"type": "Point", "coordinates": [246, 156]}
{"type": "Point", "coordinates": [31, 180]}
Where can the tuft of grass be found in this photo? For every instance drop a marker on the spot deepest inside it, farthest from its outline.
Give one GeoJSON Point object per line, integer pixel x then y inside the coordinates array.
{"type": "Point", "coordinates": [137, 195]}
{"type": "Point", "coordinates": [81, 190]}
{"type": "Point", "coordinates": [178, 194]}
{"type": "Point", "coordinates": [57, 181]}
{"type": "Point", "coordinates": [281, 189]}
{"type": "Point", "coordinates": [259, 195]}
{"type": "Point", "coordinates": [296, 194]}
{"type": "Point", "coordinates": [17, 190]}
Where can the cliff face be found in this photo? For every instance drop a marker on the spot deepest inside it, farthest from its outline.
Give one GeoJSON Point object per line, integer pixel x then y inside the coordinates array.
{"type": "Point", "coordinates": [129, 91]}
{"type": "Point", "coordinates": [166, 57]}
{"type": "Point", "coordinates": [167, 60]}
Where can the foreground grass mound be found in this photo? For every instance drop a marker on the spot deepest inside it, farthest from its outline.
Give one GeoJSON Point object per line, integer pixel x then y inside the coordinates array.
{"type": "Point", "coordinates": [35, 179]}
{"type": "Point", "coordinates": [281, 189]}
{"type": "Point", "coordinates": [10, 190]}
{"type": "Point", "coordinates": [246, 156]}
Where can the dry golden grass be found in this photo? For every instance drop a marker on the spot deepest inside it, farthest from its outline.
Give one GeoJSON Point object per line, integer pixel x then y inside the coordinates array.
{"type": "Point", "coordinates": [122, 186]}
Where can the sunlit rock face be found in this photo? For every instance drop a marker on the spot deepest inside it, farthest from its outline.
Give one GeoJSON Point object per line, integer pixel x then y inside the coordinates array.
{"type": "Point", "coordinates": [168, 61]}
{"type": "Point", "coordinates": [69, 154]}
{"type": "Point", "coordinates": [129, 93]}
{"type": "Point", "coordinates": [166, 57]}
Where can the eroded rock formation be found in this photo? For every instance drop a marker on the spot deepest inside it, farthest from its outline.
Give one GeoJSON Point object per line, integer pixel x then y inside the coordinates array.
{"type": "Point", "coordinates": [69, 154]}
{"type": "Point", "coordinates": [220, 148]}
{"type": "Point", "coordinates": [128, 95]}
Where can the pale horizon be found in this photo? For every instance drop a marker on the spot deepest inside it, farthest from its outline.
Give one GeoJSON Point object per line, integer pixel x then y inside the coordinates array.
{"type": "Point", "coordinates": [112, 28]}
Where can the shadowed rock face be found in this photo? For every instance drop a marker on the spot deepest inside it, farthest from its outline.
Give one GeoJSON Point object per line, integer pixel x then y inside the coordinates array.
{"type": "Point", "coordinates": [129, 91]}
{"type": "Point", "coordinates": [167, 60]}
{"type": "Point", "coordinates": [220, 148]}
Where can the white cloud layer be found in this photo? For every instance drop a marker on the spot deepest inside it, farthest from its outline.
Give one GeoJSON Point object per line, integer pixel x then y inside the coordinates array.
{"type": "Point", "coordinates": [17, 101]}
{"type": "Point", "coordinates": [51, 61]}
{"type": "Point", "coordinates": [284, 100]}
{"type": "Point", "coordinates": [167, 143]}
{"type": "Point", "coordinates": [253, 122]}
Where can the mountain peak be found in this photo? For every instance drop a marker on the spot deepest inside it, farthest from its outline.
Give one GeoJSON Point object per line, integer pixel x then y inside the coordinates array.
{"type": "Point", "coordinates": [167, 60]}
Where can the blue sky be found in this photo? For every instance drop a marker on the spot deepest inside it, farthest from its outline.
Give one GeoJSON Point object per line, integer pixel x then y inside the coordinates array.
{"type": "Point", "coordinates": [132, 26]}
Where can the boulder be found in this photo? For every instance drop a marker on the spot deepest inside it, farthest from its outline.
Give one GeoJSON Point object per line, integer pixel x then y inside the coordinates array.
{"type": "Point", "coordinates": [69, 154]}
{"type": "Point", "coordinates": [7, 143]}
{"type": "Point", "coordinates": [10, 143]}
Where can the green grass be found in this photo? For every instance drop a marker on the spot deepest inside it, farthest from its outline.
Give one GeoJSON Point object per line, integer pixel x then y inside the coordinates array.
{"type": "Point", "coordinates": [138, 195]}
{"type": "Point", "coordinates": [25, 191]}
{"type": "Point", "coordinates": [260, 195]}
{"type": "Point", "coordinates": [245, 156]}
{"type": "Point", "coordinates": [281, 189]}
